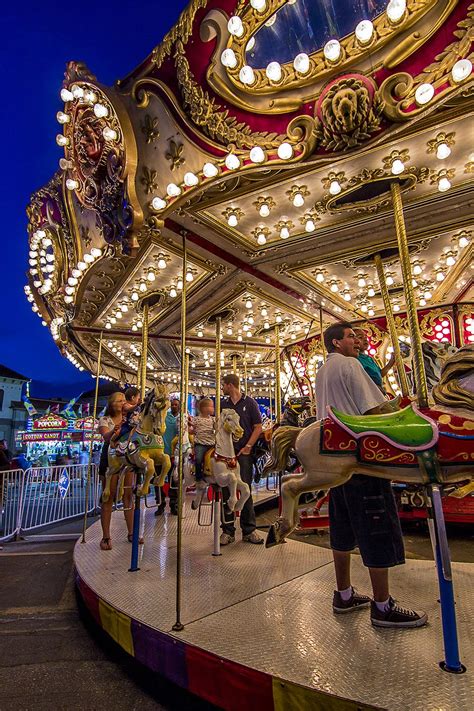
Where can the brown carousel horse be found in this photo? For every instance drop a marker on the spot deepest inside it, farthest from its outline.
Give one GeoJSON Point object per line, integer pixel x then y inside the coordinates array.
{"type": "Point", "coordinates": [423, 447]}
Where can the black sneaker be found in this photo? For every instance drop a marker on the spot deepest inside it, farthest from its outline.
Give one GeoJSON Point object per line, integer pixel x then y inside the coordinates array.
{"type": "Point", "coordinates": [396, 616]}
{"type": "Point", "coordinates": [355, 602]}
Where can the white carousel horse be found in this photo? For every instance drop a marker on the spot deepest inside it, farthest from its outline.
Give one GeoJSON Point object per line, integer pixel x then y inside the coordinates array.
{"type": "Point", "coordinates": [188, 457]}
{"type": "Point", "coordinates": [324, 471]}
{"type": "Point", "coordinates": [142, 449]}
{"type": "Point", "coordinates": [221, 466]}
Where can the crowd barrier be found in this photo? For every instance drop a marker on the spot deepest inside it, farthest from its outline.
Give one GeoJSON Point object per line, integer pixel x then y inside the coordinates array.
{"type": "Point", "coordinates": [41, 496]}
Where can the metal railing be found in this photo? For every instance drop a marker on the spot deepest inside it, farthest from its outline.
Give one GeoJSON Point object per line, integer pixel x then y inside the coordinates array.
{"type": "Point", "coordinates": [41, 496]}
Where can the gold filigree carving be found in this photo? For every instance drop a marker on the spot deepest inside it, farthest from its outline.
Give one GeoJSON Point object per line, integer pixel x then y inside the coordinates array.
{"type": "Point", "coordinates": [182, 31]}
{"type": "Point", "coordinates": [402, 155]}
{"type": "Point", "coordinates": [175, 154]}
{"type": "Point", "coordinates": [218, 124]}
{"type": "Point", "coordinates": [434, 143]}
{"type": "Point", "coordinates": [469, 167]}
{"type": "Point", "coordinates": [148, 179]}
{"type": "Point", "coordinates": [150, 128]}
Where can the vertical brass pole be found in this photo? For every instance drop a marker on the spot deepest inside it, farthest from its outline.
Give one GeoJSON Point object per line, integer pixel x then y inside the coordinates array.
{"type": "Point", "coordinates": [144, 356]}
{"type": "Point", "coordinates": [91, 446]}
{"type": "Point", "coordinates": [178, 625]}
{"type": "Point", "coordinates": [245, 370]}
{"type": "Point", "coordinates": [277, 375]}
{"type": "Point", "coordinates": [392, 329]}
{"type": "Point", "coordinates": [321, 332]}
{"type": "Point", "coordinates": [418, 364]}
{"type": "Point", "coordinates": [218, 368]}
{"type": "Point", "coordinates": [270, 396]}
{"type": "Point", "coordinates": [234, 363]}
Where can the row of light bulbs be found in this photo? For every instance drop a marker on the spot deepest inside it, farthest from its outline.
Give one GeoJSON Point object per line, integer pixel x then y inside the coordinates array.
{"type": "Point", "coordinates": [332, 50]}
{"type": "Point", "coordinates": [41, 261]}
{"type": "Point", "coordinates": [78, 272]}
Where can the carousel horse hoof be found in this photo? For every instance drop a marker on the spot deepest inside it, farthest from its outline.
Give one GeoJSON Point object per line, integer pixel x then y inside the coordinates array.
{"type": "Point", "coordinates": [231, 503]}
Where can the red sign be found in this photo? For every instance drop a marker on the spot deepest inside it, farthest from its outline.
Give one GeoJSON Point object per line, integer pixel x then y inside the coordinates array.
{"type": "Point", "coordinates": [86, 423]}
{"type": "Point", "coordinates": [50, 422]}
{"type": "Point", "coordinates": [38, 436]}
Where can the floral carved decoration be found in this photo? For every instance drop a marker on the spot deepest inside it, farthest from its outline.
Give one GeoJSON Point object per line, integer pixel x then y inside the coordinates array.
{"type": "Point", "coordinates": [150, 128]}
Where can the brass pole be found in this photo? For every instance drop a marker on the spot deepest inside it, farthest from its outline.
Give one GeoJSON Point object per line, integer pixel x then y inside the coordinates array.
{"type": "Point", "coordinates": [245, 370]}
{"type": "Point", "coordinates": [321, 333]}
{"type": "Point", "coordinates": [178, 625]}
{"type": "Point", "coordinates": [91, 445]}
{"type": "Point", "coordinates": [270, 396]}
{"type": "Point", "coordinates": [277, 375]}
{"type": "Point", "coordinates": [218, 368]}
{"type": "Point", "coordinates": [402, 376]}
{"type": "Point", "coordinates": [144, 356]}
{"type": "Point", "coordinates": [234, 363]}
{"type": "Point", "coordinates": [418, 364]}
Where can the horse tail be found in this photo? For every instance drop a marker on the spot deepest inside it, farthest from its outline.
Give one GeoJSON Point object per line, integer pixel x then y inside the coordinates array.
{"type": "Point", "coordinates": [283, 440]}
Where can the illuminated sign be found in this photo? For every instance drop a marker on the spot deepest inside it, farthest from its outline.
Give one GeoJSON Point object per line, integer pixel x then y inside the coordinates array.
{"type": "Point", "coordinates": [49, 422]}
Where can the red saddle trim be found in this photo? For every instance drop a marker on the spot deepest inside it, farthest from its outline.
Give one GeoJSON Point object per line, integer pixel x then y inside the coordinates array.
{"type": "Point", "coordinates": [231, 462]}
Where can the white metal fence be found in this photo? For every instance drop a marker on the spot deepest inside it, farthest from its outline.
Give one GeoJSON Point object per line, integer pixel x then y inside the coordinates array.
{"type": "Point", "coordinates": [41, 496]}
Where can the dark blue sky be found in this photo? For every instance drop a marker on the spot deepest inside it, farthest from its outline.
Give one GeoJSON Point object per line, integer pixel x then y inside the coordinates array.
{"type": "Point", "coordinates": [36, 42]}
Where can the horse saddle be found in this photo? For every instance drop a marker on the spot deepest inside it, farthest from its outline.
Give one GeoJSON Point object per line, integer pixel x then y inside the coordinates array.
{"type": "Point", "coordinates": [400, 438]}
{"type": "Point", "coordinates": [231, 462]}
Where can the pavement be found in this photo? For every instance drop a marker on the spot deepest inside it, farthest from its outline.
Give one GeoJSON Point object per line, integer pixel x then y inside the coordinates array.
{"type": "Point", "coordinates": [52, 657]}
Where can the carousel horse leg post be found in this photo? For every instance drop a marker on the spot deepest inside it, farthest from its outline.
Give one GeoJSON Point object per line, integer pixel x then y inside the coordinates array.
{"type": "Point", "coordinates": [216, 517]}
{"type": "Point", "coordinates": [451, 662]}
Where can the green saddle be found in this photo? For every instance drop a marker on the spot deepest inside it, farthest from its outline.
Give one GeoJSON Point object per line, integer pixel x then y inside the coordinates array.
{"type": "Point", "coordinates": [406, 429]}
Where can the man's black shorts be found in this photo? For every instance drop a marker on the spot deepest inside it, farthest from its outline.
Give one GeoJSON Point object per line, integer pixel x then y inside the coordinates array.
{"type": "Point", "coordinates": [363, 513]}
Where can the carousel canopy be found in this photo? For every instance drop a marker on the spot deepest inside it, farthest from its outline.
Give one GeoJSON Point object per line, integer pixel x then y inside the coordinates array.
{"type": "Point", "coordinates": [265, 135]}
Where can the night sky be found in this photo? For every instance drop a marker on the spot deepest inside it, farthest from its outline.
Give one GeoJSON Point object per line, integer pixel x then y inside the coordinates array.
{"type": "Point", "coordinates": [37, 42]}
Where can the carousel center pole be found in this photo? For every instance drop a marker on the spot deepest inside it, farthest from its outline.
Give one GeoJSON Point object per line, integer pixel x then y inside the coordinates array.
{"type": "Point", "coordinates": [216, 512]}
{"type": "Point", "coordinates": [137, 508]}
{"type": "Point", "coordinates": [91, 446]}
{"type": "Point", "coordinates": [451, 662]}
{"type": "Point", "coordinates": [418, 364]}
{"type": "Point", "coordinates": [178, 625]}
{"type": "Point", "coordinates": [392, 329]}
{"type": "Point", "coordinates": [277, 376]}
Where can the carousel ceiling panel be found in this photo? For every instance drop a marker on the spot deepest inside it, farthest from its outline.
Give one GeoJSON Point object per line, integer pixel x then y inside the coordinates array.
{"type": "Point", "coordinates": [298, 209]}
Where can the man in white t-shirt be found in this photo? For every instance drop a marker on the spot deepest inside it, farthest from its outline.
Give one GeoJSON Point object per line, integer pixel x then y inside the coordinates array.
{"type": "Point", "coordinates": [363, 511]}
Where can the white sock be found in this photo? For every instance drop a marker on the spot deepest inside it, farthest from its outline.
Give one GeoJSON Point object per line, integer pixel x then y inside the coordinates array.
{"type": "Point", "coordinates": [346, 594]}
{"type": "Point", "coordinates": [383, 606]}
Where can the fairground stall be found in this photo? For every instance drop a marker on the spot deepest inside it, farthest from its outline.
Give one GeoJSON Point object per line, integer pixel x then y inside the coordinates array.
{"type": "Point", "coordinates": [272, 166]}
{"type": "Point", "coordinates": [56, 436]}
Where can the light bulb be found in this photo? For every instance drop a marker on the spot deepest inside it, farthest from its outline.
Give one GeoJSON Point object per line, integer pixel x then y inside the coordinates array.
{"type": "Point", "coordinates": [332, 50]}
{"type": "Point", "coordinates": [135, 296]}
{"type": "Point", "coordinates": [100, 110]}
{"type": "Point", "coordinates": [257, 155]}
{"type": "Point", "coordinates": [261, 239]}
{"type": "Point", "coordinates": [443, 151]}
{"type": "Point", "coordinates": [248, 304]}
{"type": "Point", "coordinates": [232, 220]}
{"type": "Point", "coordinates": [396, 10]}
{"type": "Point", "coordinates": [109, 134]}
{"type": "Point", "coordinates": [266, 325]}
{"type": "Point", "coordinates": [124, 308]}
{"type": "Point", "coordinates": [190, 180]}
{"type": "Point", "coordinates": [161, 263]}
{"type": "Point", "coordinates": [463, 241]}
{"type": "Point", "coordinates": [389, 280]}
{"type": "Point", "coordinates": [200, 334]}
{"type": "Point", "coordinates": [335, 187]}
{"type": "Point", "coordinates": [72, 281]}
{"type": "Point", "coordinates": [364, 31]}
{"type": "Point", "coordinates": [158, 203]}
{"type": "Point", "coordinates": [68, 299]}
{"type": "Point", "coordinates": [90, 97]}
{"type": "Point", "coordinates": [189, 276]}
{"type": "Point", "coordinates": [320, 277]}
{"type": "Point", "coordinates": [264, 210]}
{"type": "Point", "coordinates": [258, 5]}
{"type": "Point", "coordinates": [96, 252]}
{"type": "Point", "coordinates": [309, 226]}
{"type": "Point", "coordinates": [179, 284]}
{"type": "Point", "coordinates": [371, 312]}
{"type": "Point", "coordinates": [228, 58]}
{"type": "Point", "coordinates": [69, 290]}
{"type": "Point", "coordinates": [371, 291]}
{"type": "Point", "coordinates": [72, 184]}
{"type": "Point", "coordinates": [461, 70]}
{"type": "Point", "coordinates": [397, 167]}
{"type": "Point", "coordinates": [82, 266]}
{"type": "Point", "coordinates": [142, 287]}
{"type": "Point", "coordinates": [298, 200]}
{"type": "Point", "coordinates": [173, 292]}
{"type": "Point", "coordinates": [232, 161]}
{"type": "Point", "coordinates": [427, 295]}
{"type": "Point", "coordinates": [422, 302]}
{"type": "Point", "coordinates": [62, 117]}
{"type": "Point", "coordinates": [247, 75]}
{"type": "Point", "coordinates": [210, 170]}
{"type": "Point", "coordinates": [151, 276]}
{"type": "Point", "coordinates": [66, 95]}
{"type": "Point", "coordinates": [450, 261]}
{"type": "Point", "coordinates": [173, 190]}
{"type": "Point", "coordinates": [229, 331]}
{"type": "Point", "coordinates": [439, 276]}
{"type": "Point", "coordinates": [424, 94]}
{"type": "Point", "coordinates": [88, 258]}
{"type": "Point", "coordinates": [77, 91]}
{"type": "Point", "coordinates": [273, 71]}
{"type": "Point", "coordinates": [285, 151]}
{"type": "Point", "coordinates": [284, 233]}
{"type": "Point", "coordinates": [443, 185]}
{"type": "Point", "coordinates": [396, 307]}
{"type": "Point", "coordinates": [263, 312]}
{"type": "Point", "coordinates": [334, 287]}
{"type": "Point", "coordinates": [347, 296]}
{"type": "Point", "coordinates": [62, 140]}
{"type": "Point", "coordinates": [278, 318]}
{"type": "Point", "coordinates": [361, 280]}
{"type": "Point", "coordinates": [301, 63]}
{"type": "Point", "coordinates": [235, 26]}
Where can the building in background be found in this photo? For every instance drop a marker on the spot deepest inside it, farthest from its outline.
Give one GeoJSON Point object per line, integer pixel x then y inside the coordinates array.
{"type": "Point", "coordinates": [12, 418]}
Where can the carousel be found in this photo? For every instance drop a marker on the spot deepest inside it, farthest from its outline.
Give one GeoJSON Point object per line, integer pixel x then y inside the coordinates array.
{"type": "Point", "coordinates": [271, 168]}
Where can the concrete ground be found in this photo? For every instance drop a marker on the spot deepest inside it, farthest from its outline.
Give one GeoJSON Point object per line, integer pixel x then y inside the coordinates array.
{"type": "Point", "coordinates": [53, 659]}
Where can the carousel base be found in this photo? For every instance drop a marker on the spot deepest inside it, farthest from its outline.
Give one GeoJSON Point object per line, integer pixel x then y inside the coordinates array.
{"type": "Point", "coordinates": [259, 632]}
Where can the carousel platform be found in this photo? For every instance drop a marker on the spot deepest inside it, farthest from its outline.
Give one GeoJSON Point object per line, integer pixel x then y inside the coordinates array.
{"type": "Point", "coordinates": [259, 631]}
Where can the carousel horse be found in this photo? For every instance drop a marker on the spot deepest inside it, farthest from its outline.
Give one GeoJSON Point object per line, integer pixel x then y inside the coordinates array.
{"type": "Point", "coordinates": [456, 383]}
{"type": "Point", "coordinates": [435, 355]}
{"type": "Point", "coordinates": [188, 458]}
{"type": "Point", "coordinates": [142, 450]}
{"type": "Point", "coordinates": [221, 466]}
{"type": "Point", "coordinates": [409, 445]}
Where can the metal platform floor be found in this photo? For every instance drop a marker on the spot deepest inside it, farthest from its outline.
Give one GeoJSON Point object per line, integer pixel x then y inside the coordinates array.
{"type": "Point", "coordinates": [259, 630]}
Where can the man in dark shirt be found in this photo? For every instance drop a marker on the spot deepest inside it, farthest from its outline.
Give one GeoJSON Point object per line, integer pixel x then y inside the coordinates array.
{"type": "Point", "coordinates": [251, 423]}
